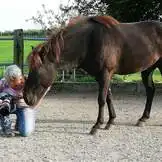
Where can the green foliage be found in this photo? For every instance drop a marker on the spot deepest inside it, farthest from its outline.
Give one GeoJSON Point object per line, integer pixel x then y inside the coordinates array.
{"type": "Point", "coordinates": [7, 33]}
{"type": "Point", "coordinates": [131, 11]}
{"type": "Point", "coordinates": [86, 7]}
{"type": "Point", "coordinates": [122, 10]}
{"type": "Point", "coordinates": [34, 33]}
{"type": "Point", "coordinates": [27, 33]}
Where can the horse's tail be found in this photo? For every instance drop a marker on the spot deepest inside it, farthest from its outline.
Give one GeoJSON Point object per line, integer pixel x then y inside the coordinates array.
{"type": "Point", "coordinates": [108, 21]}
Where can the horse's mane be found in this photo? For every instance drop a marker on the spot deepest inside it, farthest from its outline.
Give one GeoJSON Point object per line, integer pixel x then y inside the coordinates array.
{"type": "Point", "coordinates": [34, 59]}
{"type": "Point", "coordinates": [75, 20]}
{"type": "Point", "coordinates": [108, 21]}
{"type": "Point", "coordinates": [55, 41]}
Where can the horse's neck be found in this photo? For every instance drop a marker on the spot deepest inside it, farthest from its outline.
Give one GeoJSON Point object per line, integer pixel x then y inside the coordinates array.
{"type": "Point", "coordinates": [75, 47]}
{"type": "Point", "coordinates": [70, 60]}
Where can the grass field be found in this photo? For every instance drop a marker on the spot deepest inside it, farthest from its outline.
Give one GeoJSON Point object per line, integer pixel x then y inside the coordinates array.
{"type": "Point", "coordinates": [6, 56]}
{"type": "Point", "coordinates": [137, 77]}
{"type": "Point", "coordinates": [6, 50]}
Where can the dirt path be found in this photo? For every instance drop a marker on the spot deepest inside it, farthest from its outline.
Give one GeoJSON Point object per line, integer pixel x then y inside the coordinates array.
{"type": "Point", "coordinates": [63, 124]}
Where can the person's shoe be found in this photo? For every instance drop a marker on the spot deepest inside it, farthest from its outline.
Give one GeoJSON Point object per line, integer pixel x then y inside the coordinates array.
{"type": "Point", "coordinates": [9, 133]}
{"type": "Point", "coordinates": [16, 128]}
{"type": "Point", "coordinates": [1, 129]}
{"type": "Point", "coordinates": [1, 132]}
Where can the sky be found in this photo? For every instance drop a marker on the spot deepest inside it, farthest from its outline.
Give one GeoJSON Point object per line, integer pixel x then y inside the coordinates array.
{"type": "Point", "coordinates": [14, 13]}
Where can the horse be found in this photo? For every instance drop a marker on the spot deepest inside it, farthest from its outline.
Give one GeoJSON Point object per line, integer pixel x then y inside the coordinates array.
{"type": "Point", "coordinates": [102, 46]}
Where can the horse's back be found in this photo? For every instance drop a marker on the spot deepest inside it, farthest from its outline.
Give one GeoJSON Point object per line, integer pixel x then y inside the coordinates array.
{"type": "Point", "coordinates": [147, 29]}
{"type": "Point", "coordinates": [128, 47]}
{"type": "Point", "coordinates": [140, 46]}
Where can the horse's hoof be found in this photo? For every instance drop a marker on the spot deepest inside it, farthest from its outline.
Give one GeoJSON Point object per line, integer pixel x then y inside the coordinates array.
{"type": "Point", "coordinates": [108, 126]}
{"type": "Point", "coordinates": [140, 123]}
{"type": "Point", "coordinates": [93, 131]}
{"type": "Point", "coordinates": [102, 122]}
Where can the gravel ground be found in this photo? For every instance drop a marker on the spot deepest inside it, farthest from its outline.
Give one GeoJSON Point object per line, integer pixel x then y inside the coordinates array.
{"type": "Point", "coordinates": [64, 121]}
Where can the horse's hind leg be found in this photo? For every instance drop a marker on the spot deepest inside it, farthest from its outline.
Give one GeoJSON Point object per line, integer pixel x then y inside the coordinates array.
{"type": "Point", "coordinates": [104, 81]}
{"type": "Point", "coordinates": [150, 90]}
{"type": "Point", "coordinates": [160, 65]}
{"type": "Point", "coordinates": [112, 114]}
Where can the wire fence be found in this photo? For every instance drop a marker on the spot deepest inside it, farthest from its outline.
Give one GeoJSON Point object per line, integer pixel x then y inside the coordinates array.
{"type": "Point", "coordinates": [62, 75]}
{"type": "Point", "coordinates": [74, 75]}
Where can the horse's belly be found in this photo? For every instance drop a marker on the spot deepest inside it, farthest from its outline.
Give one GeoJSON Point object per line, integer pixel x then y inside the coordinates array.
{"type": "Point", "coordinates": [133, 66]}
{"type": "Point", "coordinates": [128, 71]}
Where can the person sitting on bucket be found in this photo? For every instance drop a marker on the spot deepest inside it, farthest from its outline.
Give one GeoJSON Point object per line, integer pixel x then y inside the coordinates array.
{"type": "Point", "coordinates": [11, 97]}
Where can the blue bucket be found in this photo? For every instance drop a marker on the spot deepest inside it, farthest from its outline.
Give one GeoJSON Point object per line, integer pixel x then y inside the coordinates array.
{"type": "Point", "coordinates": [26, 120]}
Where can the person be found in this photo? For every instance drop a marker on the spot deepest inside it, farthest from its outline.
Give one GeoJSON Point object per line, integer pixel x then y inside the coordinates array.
{"type": "Point", "coordinates": [6, 107]}
{"type": "Point", "coordinates": [11, 98]}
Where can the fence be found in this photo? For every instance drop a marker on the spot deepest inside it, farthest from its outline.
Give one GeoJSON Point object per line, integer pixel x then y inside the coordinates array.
{"type": "Point", "coordinates": [18, 58]}
{"type": "Point", "coordinates": [63, 75]}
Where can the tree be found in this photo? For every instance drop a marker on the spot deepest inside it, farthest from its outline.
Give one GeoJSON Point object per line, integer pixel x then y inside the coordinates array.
{"type": "Point", "coordinates": [48, 19]}
{"type": "Point", "coordinates": [130, 11]}
{"type": "Point", "coordinates": [86, 7]}
{"type": "Point", "coordinates": [123, 10]}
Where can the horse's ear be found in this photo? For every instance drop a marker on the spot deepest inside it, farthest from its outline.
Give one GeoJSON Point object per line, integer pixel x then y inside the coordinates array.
{"type": "Point", "coordinates": [35, 61]}
{"type": "Point", "coordinates": [32, 47]}
{"type": "Point", "coordinates": [41, 48]}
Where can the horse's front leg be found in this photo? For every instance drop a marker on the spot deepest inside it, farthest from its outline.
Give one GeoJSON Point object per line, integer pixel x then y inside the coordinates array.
{"type": "Point", "coordinates": [104, 81]}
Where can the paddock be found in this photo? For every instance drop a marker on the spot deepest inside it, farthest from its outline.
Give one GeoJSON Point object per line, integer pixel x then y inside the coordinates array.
{"type": "Point", "coordinates": [65, 119]}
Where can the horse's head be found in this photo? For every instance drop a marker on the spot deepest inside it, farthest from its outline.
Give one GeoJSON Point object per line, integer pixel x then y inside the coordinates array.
{"type": "Point", "coordinates": [45, 57]}
{"type": "Point", "coordinates": [41, 74]}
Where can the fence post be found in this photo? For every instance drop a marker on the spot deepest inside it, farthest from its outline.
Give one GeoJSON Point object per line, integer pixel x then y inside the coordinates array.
{"type": "Point", "coordinates": [63, 75]}
{"type": "Point", "coordinates": [74, 75]}
{"type": "Point", "coordinates": [138, 87]}
{"type": "Point", "coordinates": [19, 48]}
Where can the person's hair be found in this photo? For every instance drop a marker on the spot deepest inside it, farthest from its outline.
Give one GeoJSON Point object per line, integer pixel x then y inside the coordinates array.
{"type": "Point", "coordinates": [12, 72]}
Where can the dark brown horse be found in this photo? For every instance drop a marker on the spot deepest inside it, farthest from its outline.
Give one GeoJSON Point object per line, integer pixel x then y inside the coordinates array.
{"type": "Point", "coordinates": [101, 46]}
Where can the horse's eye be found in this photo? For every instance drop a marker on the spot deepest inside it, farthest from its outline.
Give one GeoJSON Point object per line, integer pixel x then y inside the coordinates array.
{"type": "Point", "coordinates": [42, 57]}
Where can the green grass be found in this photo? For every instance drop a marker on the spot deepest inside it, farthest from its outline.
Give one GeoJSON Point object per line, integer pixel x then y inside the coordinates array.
{"type": "Point", "coordinates": [125, 79]}
{"type": "Point", "coordinates": [137, 77]}
{"type": "Point", "coordinates": [6, 50]}
{"type": "Point", "coordinates": [6, 56]}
